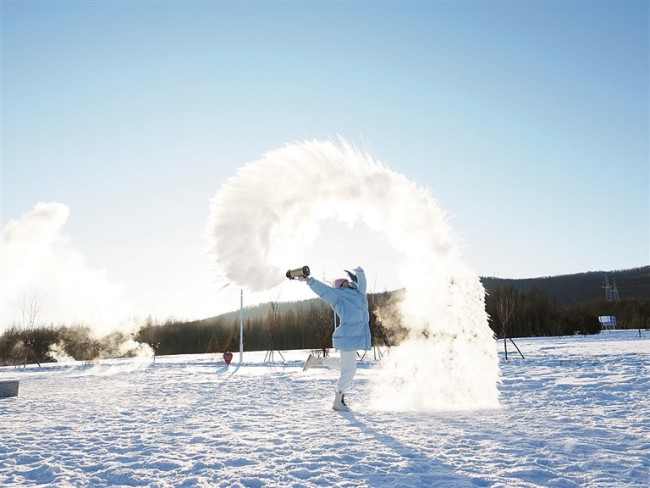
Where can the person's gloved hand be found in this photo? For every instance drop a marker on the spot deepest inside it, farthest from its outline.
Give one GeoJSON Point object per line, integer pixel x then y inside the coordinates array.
{"type": "Point", "coordinates": [303, 278]}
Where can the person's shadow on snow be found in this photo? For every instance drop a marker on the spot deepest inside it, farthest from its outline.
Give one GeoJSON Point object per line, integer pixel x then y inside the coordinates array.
{"type": "Point", "coordinates": [422, 470]}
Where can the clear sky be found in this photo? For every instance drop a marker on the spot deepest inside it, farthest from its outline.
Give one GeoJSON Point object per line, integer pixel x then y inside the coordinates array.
{"type": "Point", "coordinates": [527, 121]}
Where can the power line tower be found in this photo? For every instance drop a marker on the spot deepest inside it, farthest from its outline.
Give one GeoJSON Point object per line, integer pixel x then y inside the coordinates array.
{"type": "Point", "coordinates": [611, 291]}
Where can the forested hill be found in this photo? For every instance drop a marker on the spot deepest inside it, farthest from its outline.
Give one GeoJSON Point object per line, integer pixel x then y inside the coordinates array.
{"type": "Point", "coordinates": [582, 287]}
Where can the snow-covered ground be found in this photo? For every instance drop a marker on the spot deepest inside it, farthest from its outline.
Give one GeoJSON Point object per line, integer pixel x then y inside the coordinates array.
{"type": "Point", "coordinates": [575, 413]}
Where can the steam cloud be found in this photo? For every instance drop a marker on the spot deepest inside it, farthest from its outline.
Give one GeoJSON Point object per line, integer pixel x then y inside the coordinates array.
{"type": "Point", "coordinates": [264, 218]}
{"type": "Point", "coordinates": [43, 275]}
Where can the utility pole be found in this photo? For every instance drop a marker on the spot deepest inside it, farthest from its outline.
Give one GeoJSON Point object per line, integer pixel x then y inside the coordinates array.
{"type": "Point", "coordinates": [241, 327]}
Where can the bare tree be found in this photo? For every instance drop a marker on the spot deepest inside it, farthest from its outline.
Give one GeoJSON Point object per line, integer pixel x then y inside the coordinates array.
{"type": "Point", "coordinates": [272, 321]}
{"type": "Point", "coordinates": [321, 318]}
{"type": "Point", "coordinates": [30, 308]}
{"type": "Point", "coordinates": [506, 301]}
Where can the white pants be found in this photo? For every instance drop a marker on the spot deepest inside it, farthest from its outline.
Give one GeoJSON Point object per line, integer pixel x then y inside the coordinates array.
{"type": "Point", "coordinates": [347, 365]}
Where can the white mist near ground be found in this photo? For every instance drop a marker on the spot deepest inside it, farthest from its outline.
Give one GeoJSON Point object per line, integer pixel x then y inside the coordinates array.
{"type": "Point", "coordinates": [45, 280]}
{"type": "Point", "coordinates": [141, 352]}
{"type": "Point", "coordinates": [57, 353]}
{"type": "Point", "coordinates": [264, 219]}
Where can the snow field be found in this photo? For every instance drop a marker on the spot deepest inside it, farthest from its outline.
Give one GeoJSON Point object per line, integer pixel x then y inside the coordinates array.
{"type": "Point", "coordinates": [575, 413]}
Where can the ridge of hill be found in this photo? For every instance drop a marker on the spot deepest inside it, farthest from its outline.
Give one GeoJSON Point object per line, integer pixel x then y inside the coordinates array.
{"type": "Point", "coordinates": [576, 288]}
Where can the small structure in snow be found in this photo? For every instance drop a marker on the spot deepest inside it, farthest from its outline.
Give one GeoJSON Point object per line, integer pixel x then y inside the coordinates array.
{"type": "Point", "coordinates": [8, 388]}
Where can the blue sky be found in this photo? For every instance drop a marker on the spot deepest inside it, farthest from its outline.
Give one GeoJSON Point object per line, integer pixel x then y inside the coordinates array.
{"type": "Point", "coordinates": [528, 121]}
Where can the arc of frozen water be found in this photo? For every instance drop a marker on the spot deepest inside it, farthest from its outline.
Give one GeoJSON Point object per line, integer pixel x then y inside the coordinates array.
{"type": "Point", "coordinates": [448, 359]}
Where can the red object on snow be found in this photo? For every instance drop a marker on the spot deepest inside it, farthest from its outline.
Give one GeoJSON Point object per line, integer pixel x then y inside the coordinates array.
{"type": "Point", "coordinates": [227, 357]}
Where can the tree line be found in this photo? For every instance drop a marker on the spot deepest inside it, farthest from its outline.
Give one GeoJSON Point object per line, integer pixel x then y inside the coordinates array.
{"type": "Point", "coordinates": [309, 325]}
{"type": "Point", "coordinates": [269, 327]}
{"type": "Point", "coordinates": [535, 313]}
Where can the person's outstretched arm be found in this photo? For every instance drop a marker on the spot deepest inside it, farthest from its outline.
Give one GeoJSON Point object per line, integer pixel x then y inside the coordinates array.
{"type": "Point", "coordinates": [325, 292]}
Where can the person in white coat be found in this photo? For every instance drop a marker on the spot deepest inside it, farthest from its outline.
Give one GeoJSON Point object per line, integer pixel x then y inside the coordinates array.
{"type": "Point", "coordinates": [347, 296]}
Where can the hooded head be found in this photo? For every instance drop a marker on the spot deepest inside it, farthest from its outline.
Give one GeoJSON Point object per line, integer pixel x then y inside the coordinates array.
{"type": "Point", "coordinates": [341, 283]}
{"type": "Point", "coordinates": [350, 282]}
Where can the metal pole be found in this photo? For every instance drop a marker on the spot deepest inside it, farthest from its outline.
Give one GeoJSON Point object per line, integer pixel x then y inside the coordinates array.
{"type": "Point", "coordinates": [241, 327]}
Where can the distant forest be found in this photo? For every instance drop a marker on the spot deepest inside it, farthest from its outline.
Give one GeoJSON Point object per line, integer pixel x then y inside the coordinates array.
{"type": "Point", "coordinates": [568, 304]}
{"type": "Point", "coordinates": [547, 306]}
